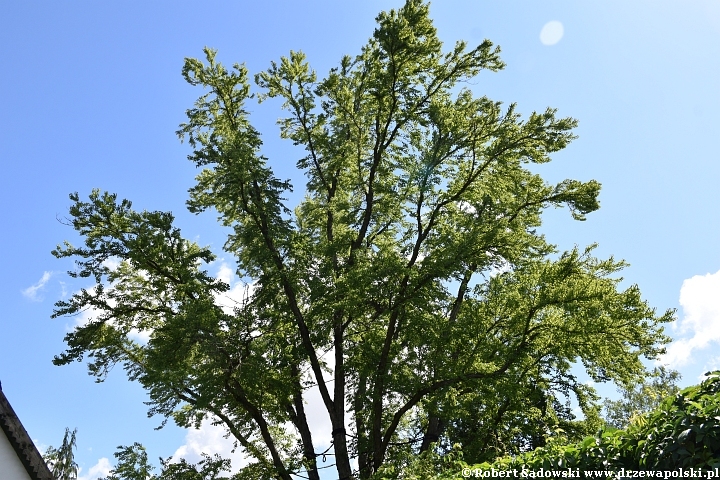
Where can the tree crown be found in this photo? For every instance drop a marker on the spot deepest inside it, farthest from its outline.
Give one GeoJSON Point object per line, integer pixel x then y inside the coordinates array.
{"type": "Point", "coordinates": [409, 287]}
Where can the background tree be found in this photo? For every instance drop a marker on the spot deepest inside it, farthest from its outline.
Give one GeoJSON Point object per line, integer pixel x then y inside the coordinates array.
{"type": "Point", "coordinates": [641, 397]}
{"type": "Point", "coordinates": [408, 287]}
{"type": "Point", "coordinates": [61, 461]}
{"type": "Point", "coordinates": [527, 410]}
{"type": "Point", "coordinates": [132, 464]}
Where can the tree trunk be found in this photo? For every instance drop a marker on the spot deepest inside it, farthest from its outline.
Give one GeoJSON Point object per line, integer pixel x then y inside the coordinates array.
{"type": "Point", "coordinates": [342, 459]}
{"type": "Point", "coordinates": [434, 429]}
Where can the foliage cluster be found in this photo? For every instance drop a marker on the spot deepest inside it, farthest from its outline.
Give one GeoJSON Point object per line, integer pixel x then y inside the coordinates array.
{"type": "Point", "coordinates": [683, 431]}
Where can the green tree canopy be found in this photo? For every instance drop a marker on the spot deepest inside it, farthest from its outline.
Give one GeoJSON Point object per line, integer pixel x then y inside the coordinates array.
{"type": "Point", "coordinates": [410, 286]}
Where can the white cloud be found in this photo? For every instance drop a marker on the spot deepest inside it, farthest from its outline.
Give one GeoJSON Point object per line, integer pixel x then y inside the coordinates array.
{"type": "Point", "coordinates": [112, 263]}
{"type": "Point", "coordinates": [238, 293]}
{"type": "Point", "coordinates": [225, 273]}
{"type": "Point", "coordinates": [210, 439]}
{"type": "Point", "coordinates": [466, 207]}
{"type": "Point", "coordinates": [140, 336]}
{"type": "Point", "coordinates": [551, 33]}
{"type": "Point", "coordinates": [100, 470]}
{"type": "Point", "coordinates": [318, 418]}
{"type": "Point", "coordinates": [711, 364]}
{"type": "Point", "coordinates": [700, 325]}
{"type": "Point", "coordinates": [32, 292]}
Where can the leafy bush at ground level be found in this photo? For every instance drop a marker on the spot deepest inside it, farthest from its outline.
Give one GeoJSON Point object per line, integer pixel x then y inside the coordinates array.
{"type": "Point", "coordinates": [683, 432]}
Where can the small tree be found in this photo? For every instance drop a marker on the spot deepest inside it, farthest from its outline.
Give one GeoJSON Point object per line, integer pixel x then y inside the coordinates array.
{"type": "Point", "coordinates": [409, 279]}
{"type": "Point", "coordinates": [61, 461]}
{"type": "Point", "coordinates": [642, 397]}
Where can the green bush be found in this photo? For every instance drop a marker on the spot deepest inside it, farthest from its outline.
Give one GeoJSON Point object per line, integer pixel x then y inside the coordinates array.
{"type": "Point", "coordinates": [684, 431]}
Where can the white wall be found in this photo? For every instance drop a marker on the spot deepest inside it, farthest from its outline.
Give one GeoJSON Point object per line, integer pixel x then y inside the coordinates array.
{"type": "Point", "coordinates": [10, 466]}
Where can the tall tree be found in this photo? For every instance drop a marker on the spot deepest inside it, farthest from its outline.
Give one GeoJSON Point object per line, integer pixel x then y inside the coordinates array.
{"type": "Point", "coordinates": [410, 280]}
{"type": "Point", "coordinates": [61, 461]}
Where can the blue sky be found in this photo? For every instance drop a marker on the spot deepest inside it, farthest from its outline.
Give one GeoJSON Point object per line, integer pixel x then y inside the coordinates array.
{"type": "Point", "coordinates": [92, 95]}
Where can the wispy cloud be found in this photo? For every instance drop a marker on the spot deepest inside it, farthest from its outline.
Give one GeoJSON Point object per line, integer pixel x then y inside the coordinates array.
{"type": "Point", "coordinates": [700, 324]}
{"type": "Point", "coordinates": [32, 292]}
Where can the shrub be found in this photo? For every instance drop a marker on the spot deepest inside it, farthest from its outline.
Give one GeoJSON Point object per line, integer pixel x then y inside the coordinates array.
{"type": "Point", "coordinates": [684, 431]}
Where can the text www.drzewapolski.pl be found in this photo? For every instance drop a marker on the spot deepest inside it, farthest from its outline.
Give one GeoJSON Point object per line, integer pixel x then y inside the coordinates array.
{"type": "Point", "coordinates": [576, 473]}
